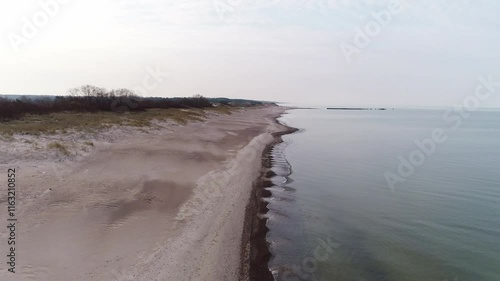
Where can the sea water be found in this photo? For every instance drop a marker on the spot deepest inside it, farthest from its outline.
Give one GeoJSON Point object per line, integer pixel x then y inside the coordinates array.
{"type": "Point", "coordinates": [337, 212]}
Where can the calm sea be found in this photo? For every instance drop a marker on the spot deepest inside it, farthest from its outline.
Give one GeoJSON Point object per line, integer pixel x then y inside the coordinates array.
{"type": "Point", "coordinates": [334, 216]}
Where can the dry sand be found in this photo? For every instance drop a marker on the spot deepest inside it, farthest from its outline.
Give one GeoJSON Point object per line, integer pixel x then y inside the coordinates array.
{"type": "Point", "coordinates": [162, 205]}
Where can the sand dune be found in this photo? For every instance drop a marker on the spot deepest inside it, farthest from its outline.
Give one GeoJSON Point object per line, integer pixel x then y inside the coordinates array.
{"type": "Point", "coordinates": [169, 205]}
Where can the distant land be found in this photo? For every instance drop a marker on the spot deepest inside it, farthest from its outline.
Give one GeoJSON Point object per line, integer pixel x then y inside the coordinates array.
{"type": "Point", "coordinates": [32, 97]}
{"type": "Point", "coordinates": [219, 100]}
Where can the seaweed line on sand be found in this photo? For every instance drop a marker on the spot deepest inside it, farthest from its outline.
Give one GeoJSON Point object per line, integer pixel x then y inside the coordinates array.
{"type": "Point", "coordinates": [255, 254]}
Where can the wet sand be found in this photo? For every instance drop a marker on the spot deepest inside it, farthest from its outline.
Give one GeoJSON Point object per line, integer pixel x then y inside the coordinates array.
{"type": "Point", "coordinates": [255, 254]}
{"type": "Point", "coordinates": [170, 205]}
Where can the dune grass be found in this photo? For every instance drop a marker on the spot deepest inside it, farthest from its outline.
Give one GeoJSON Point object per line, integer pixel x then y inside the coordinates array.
{"type": "Point", "coordinates": [89, 143]}
{"type": "Point", "coordinates": [62, 122]}
{"type": "Point", "coordinates": [56, 145]}
{"type": "Point", "coordinates": [223, 109]}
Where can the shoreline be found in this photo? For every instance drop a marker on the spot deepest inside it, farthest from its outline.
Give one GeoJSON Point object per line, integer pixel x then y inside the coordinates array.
{"type": "Point", "coordinates": [255, 252]}
{"type": "Point", "coordinates": [164, 204]}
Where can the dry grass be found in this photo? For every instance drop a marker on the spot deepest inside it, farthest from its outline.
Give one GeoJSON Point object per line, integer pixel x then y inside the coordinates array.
{"type": "Point", "coordinates": [89, 143]}
{"type": "Point", "coordinates": [224, 109]}
{"type": "Point", "coordinates": [92, 121]}
{"type": "Point", "coordinates": [62, 148]}
{"type": "Point", "coordinates": [6, 137]}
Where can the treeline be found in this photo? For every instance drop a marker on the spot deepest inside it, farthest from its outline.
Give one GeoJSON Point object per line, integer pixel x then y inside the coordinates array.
{"type": "Point", "coordinates": [90, 98]}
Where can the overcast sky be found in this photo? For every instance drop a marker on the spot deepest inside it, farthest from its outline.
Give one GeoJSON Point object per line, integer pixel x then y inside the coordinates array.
{"type": "Point", "coordinates": [430, 53]}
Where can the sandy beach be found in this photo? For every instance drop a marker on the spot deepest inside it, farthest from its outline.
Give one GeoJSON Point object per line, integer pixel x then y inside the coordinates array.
{"type": "Point", "coordinates": [168, 204]}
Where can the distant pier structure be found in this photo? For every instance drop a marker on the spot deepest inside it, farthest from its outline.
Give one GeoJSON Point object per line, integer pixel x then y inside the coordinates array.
{"type": "Point", "coordinates": [359, 108]}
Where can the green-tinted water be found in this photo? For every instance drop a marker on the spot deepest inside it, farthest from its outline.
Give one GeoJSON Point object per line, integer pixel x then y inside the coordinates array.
{"type": "Point", "coordinates": [335, 217]}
